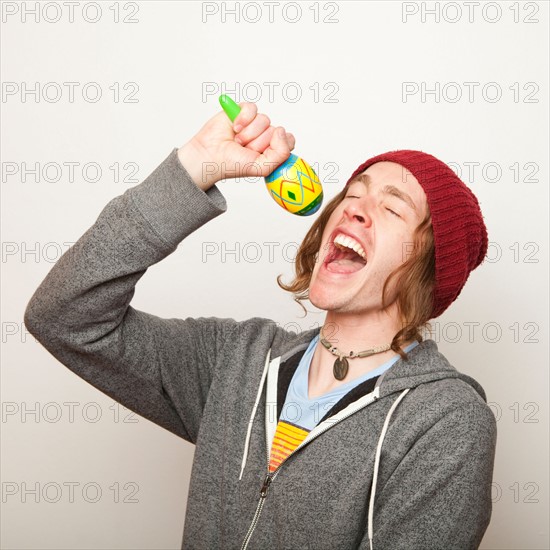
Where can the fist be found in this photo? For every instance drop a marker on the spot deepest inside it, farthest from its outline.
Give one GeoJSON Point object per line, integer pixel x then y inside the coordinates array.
{"type": "Point", "coordinates": [248, 146]}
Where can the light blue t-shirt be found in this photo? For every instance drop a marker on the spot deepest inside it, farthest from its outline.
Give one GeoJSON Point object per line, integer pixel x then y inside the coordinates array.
{"type": "Point", "coordinates": [306, 413]}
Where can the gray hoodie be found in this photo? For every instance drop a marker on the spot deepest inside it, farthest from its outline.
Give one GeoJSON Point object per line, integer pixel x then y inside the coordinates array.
{"type": "Point", "coordinates": [404, 461]}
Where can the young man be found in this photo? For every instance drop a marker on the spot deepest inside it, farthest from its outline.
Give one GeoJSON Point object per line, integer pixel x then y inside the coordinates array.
{"type": "Point", "coordinates": [361, 435]}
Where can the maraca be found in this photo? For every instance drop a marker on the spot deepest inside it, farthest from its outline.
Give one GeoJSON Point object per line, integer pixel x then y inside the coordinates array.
{"type": "Point", "coordinates": [293, 185]}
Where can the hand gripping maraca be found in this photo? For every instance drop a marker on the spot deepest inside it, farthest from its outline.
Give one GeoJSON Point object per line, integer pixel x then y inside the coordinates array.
{"type": "Point", "coordinates": [293, 185]}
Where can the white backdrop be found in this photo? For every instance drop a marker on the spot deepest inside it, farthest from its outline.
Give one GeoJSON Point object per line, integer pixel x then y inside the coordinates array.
{"type": "Point", "coordinates": [96, 94]}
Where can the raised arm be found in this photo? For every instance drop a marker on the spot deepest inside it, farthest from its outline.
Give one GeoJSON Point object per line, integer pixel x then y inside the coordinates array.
{"type": "Point", "coordinates": [81, 312]}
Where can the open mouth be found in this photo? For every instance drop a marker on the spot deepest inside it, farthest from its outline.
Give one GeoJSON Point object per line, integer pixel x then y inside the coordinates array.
{"type": "Point", "coordinates": [346, 255]}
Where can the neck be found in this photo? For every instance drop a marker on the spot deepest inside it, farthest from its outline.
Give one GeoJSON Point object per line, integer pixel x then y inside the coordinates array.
{"type": "Point", "coordinates": [350, 333]}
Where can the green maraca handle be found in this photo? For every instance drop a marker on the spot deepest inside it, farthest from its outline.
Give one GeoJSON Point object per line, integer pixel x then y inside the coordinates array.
{"type": "Point", "coordinates": [230, 107]}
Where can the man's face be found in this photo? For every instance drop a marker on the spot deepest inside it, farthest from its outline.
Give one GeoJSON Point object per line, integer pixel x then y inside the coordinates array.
{"type": "Point", "coordinates": [382, 224]}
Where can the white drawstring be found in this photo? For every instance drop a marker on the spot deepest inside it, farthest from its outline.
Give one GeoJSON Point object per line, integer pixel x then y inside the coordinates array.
{"type": "Point", "coordinates": [377, 462]}
{"type": "Point", "coordinates": [250, 422]}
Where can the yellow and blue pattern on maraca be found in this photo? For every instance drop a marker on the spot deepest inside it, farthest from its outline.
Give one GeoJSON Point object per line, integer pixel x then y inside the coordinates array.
{"type": "Point", "coordinates": [295, 186]}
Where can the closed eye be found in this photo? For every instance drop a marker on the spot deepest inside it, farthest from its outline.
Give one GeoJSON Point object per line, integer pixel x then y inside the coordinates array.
{"type": "Point", "coordinates": [394, 213]}
{"type": "Point", "coordinates": [388, 209]}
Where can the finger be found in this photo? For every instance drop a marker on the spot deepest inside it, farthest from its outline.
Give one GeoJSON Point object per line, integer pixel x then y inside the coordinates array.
{"type": "Point", "coordinates": [277, 152]}
{"type": "Point", "coordinates": [261, 143]}
{"type": "Point", "coordinates": [259, 125]}
{"type": "Point", "coordinates": [291, 140]}
{"type": "Point", "coordinates": [245, 117]}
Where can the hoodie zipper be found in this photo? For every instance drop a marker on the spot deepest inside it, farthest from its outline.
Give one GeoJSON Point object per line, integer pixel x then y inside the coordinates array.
{"type": "Point", "coordinates": [263, 494]}
{"type": "Point", "coordinates": [269, 477]}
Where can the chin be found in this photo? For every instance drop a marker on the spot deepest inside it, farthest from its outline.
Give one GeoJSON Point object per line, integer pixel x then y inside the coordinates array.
{"type": "Point", "coordinates": [323, 298]}
{"type": "Point", "coordinates": [317, 297]}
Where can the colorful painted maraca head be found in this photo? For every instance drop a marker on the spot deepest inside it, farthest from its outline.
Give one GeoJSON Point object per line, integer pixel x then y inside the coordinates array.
{"type": "Point", "coordinates": [293, 185]}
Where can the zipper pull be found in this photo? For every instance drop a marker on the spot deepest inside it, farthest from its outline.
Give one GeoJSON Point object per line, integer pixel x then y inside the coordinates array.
{"type": "Point", "coordinates": [265, 486]}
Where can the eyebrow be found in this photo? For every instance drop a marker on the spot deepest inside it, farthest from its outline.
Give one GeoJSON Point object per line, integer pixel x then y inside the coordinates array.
{"type": "Point", "coordinates": [387, 190]}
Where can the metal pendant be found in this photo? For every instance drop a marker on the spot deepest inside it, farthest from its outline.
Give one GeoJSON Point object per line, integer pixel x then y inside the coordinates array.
{"type": "Point", "coordinates": [340, 369]}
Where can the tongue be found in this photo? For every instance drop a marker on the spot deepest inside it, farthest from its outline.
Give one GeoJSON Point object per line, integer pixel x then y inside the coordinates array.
{"type": "Point", "coordinates": [345, 266]}
{"type": "Point", "coordinates": [346, 262]}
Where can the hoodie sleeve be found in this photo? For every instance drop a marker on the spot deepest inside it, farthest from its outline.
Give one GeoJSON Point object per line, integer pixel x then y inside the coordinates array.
{"type": "Point", "coordinates": [440, 493]}
{"type": "Point", "coordinates": [159, 368]}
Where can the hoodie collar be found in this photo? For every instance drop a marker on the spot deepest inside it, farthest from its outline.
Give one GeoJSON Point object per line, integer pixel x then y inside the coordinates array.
{"type": "Point", "coordinates": [425, 364]}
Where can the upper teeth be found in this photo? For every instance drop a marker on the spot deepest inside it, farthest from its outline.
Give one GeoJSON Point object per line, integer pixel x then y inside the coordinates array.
{"type": "Point", "coordinates": [348, 242]}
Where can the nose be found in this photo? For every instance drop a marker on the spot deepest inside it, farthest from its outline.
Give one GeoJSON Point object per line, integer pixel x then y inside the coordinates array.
{"type": "Point", "coordinates": [359, 209]}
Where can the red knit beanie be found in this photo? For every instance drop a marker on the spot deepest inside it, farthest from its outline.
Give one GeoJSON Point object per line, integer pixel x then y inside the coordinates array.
{"type": "Point", "coordinates": [460, 235]}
